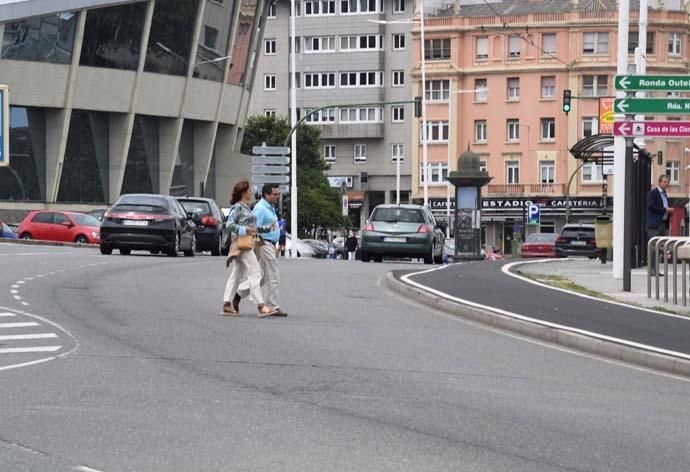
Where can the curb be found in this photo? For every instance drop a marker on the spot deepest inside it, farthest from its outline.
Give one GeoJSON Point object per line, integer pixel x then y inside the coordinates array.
{"type": "Point", "coordinates": [561, 337]}
{"type": "Point", "coordinates": [35, 242]}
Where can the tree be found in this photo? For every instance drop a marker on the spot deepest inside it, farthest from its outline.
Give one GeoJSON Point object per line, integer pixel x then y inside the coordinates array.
{"type": "Point", "coordinates": [318, 202]}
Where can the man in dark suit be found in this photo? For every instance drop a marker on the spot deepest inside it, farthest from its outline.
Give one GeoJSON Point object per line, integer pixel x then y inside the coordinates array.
{"type": "Point", "coordinates": [658, 214]}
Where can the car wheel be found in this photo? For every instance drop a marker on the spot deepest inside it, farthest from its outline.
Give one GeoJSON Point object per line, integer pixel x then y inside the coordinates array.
{"type": "Point", "coordinates": [154, 251]}
{"type": "Point", "coordinates": [217, 248]}
{"type": "Point", "coordinates": [105, 250]}
{"type": "Point", "coordinates": [25, 236]}
{"type": "Point", "coordinates": [429, 258]}
{"type": "Point", "coordinates": [192, 249]}
{"type": "Point", "coordinates": [174, 250]}
{"type": "Point", "coordinates": [81, 239]}
{"type": "Point", "coordinates": [378, 258]}
{"type": "Point", "coordinates": [125, 252]}
{"type": "Point", "coordinates": [365, 256]}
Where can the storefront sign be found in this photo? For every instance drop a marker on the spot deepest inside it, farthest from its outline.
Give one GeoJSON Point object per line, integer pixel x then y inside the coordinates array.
{"type": "Point", "coordinates": [556, 203]}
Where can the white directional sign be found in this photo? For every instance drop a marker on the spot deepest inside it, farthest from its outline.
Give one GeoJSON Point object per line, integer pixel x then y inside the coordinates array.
{"type": "Point", "coordinates": [271, 150]}
{"type": "Point", "coordinates": [270, 169]}
{"type": "Point", "coordinates": [269, 165]}
{"type": "Point", "coordinates": [275, 160]}
{"type": "Point", "coordinates": [270, 179]}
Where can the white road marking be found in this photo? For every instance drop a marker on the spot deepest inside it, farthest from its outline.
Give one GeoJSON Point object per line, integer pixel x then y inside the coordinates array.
{"type": "Point", "coordinates": [34, 254]}
{"type": "Point", "coordinates": [6, 315]}
{"type": "Point", "coordinates": [20, 337]}
{"type": "Point", "coordinates": [40, 275]}
{"type": "Point", "coordinates": [24, 324]}
{"type": "Point", "coordinates": [15, 286]}
{"type": "Point", "coordinates": [14, 291]}
{"type": "Point", "coordinates": [17, 297]}
{"type": "Point", "coordinates": [21, 350]}
{"type": "Point", "coordinates": [24, 303]}
{"type": "Point", "coordinates": [83, 468]}
{"type": "Point", "coordinates": [29, 278]}
{"type": "Point", "coordinates": [20, 282]}
{"type": "Point", "coordinates": [510, 314]}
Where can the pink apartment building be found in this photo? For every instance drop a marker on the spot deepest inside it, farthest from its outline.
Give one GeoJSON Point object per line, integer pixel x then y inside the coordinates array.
{"type": "Point", "coordinates": [495, 83]}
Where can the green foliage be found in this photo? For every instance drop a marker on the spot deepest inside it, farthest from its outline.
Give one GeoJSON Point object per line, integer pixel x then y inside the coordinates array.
{"type": "Point", "coordinates": [318, 203]}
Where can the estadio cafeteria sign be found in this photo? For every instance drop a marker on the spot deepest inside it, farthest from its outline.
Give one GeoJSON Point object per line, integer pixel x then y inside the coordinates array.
{"type": "Point", "coordinates": [509, 203]}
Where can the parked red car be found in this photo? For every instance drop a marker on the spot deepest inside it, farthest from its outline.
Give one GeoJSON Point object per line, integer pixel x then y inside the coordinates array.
{"type": "Point", "coordinates": [60, 226]}
{"type": "Point", "coordinates": [539, 245]}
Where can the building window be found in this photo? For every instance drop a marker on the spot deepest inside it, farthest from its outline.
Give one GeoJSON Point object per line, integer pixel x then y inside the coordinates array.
{"type": "Point", "coordinates": [547, 172]}
{"type": "Point", "coordinates": [329, 152]}
{"type": "Point", "coordinates": [298, 45]}
{"type": "Point", "coordinates": [548, 129]}
{"type": "Point", "coordinates": [548, 44]}
{"type": "Point", "coordinates": [589, 127]}
{"type": "Point", "coordinates": [361, 79]}
{"type": "Point", "coordinates": [437, 131]}
{"type": "Point", "coordinates": [398, 114]}
{"type": "Point", "coordinates": [512, 172]}
{"type": "Point", "coordinates": [513, 88]}
{"type": "Point", "coordinates": [319, 44]}
{"type": "Point", "coordinates": [398, 41]}
{"type": "Point", "coordinates": [269, 81]}
{"type": "Point", "coordinates": [437, 90]}
{"type": "Point", "coordinates": [514, 43]}
{"type": "Point", "coordinates": [319, 7]}
{"type": "Point", "coordinates": [482, 166]}
{"type": "Point", "coordinates": [674, 44]}
{"type": "Point", "coordinates": [298, 80]}
{"type": "Point", "coordinates": [43, 39]}
{"type": "Point", "coordinates": [592, 173]}
{"type": "Point", "coordinates": [361, 115]}
{"type": "Point", "coordinates": [594, 85]}
{"type": "Point", "coordinates": [210, 37]}
{"type": "Point", "coordinates": [272, 10]}
{"type": "Point", "coordinates": [398, 6]}
{"type": "Point", "coordinates": [482, 52]}
{"type": "Point", "coordinates": [437, 49]}
{"type": "Point", "coordinates": [480, 90]}
{"type": "Point", "coordinates": [27, 155]}
{"type": "Point", "coordinates": [360, 152]}
{"type": "Point", "coordinates": [269, 47]}
{"type": "Point", "coordinates": [321, 117]}
{"type": "Point", "coordinates": [268, 112]}
{"type": "Point", "coordinates": [633, 42]}
{"type": "Point", "coordinates": [319, 80]}
{"type": "Point", "coordinates": [673, 171]}
{"type": "Point", "coordinates": [398, 78]}
{"type": "Point", "coordinates": [352, 7]}
{"type": "Point", "coordinates": [480, 131]}
{"type": "Point", "coordinates": [548, 87]}
{"type": "Point", "coordinates": [364, 42]}
{"type": "Point", "coordinates": [170, 38]}
{"type": "Point", "coordinates": [595, 43]}
{"type": "Point", "coordinates": [397, 152]}
{"type": "Point", "coordinates": [438, 173]}
{"type": "Point", "coordinates": [513, 128]}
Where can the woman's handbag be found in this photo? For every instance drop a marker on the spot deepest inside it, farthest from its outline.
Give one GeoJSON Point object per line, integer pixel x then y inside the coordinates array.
{"type": "Point", "coordinates": [246, 242]}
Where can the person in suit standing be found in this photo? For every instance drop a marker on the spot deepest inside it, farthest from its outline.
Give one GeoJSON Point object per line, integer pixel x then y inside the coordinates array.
{"type": "Point", "coordinates": [657, 214]}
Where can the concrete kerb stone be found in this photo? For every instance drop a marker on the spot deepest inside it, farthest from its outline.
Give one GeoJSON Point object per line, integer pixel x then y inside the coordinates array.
{"type": "Point", "coordinates": [561, 337]}
{"type": "Point", "coordinates": [35, 242]}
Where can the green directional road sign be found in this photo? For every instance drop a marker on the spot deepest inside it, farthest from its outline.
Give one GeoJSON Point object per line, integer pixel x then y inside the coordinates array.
{"type": "Point", "coordinates": [652, 106]}
{"type": "Point", "coordinates": [669, 83]}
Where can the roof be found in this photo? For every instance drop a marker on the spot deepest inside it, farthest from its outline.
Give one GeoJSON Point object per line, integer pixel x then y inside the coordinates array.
{"type": "Point", "coordinates": [11, 10]}
{"type": "Point", "coordinates": [482, 8]}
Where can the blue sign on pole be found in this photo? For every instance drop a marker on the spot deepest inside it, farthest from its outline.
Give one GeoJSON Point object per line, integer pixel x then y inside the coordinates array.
{"type": "Point", "coordinates": [533, 216]}
{"type": "Point", "coordinates": [4, 126]}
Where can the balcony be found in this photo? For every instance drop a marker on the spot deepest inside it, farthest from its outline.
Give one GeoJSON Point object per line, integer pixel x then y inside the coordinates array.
{"type": "Point", "coordinates": [525, 189]}
{"type": "Point", "coordinates": [352, 131]}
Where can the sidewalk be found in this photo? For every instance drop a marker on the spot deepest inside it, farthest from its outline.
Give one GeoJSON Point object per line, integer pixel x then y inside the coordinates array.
{"type": "Point", "coordinates": [597, 277]}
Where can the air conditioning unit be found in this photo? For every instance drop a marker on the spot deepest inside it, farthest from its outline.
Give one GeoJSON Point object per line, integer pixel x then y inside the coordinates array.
{"type": "Point", "coordinates": [364, 181]}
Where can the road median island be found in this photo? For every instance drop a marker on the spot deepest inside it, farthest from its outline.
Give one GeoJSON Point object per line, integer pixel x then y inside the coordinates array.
{"type": "Point", "coordinates": [36, 242]}
{"type": "Point", "coordinates": [572, 338]}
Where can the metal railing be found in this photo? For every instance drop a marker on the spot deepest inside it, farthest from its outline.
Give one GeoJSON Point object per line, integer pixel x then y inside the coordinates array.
{"type": "Point", "coordinates": [666, 247]}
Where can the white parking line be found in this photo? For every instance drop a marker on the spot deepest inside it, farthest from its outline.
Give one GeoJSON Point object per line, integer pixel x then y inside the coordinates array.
{"type": "Point", "coordinates": [25, 324]}
{"type": "Point", "coordinates": [21, 337]}
{"type": "Point", "coordinates": [19, 350]}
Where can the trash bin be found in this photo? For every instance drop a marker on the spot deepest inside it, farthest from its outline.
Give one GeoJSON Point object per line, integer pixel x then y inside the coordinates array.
{"type": "Point", "coordinates": [603, 231]}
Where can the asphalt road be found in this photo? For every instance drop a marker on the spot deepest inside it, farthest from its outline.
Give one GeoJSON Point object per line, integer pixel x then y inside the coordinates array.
{"type": "Point", "coordinates": [354, 379]}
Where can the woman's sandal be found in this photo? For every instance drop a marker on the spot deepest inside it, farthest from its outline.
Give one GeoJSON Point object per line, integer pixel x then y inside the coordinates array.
{"type": "Point", "coordinates": [229, 310]}
{"type": "Point", "coordinates": [265, 311]}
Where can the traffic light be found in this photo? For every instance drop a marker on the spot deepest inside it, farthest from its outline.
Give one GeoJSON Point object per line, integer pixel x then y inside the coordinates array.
{"type": "Point", "coordinates": [417, 107]}
{"type": "Point", "coordinates": [660, 157]}
{"type": "Point", "coordinates": [566, 101]}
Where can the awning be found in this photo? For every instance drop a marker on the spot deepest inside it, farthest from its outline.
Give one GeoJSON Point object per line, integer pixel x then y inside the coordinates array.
{"type": "Point", "coordinates": [355, 196]}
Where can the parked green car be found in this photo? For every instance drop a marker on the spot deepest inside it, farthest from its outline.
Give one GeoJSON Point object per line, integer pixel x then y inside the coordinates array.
{"type": "Point", "coordinates": [403, 231]}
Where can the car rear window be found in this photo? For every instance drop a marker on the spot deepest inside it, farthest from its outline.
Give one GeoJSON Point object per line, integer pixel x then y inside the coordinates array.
{"type": "Point", "coordinates": [541, 238]}
{"type": "Point", "coordinates": [42, 218]}
{"type": "Point", "coordinates": [84, 220]}
{"type": "Point", "coordinates": [574, 232]}
{"type": "Point", "coordinates": [138, 208]}
{"type": "Point", "coordinates": [196, 206]}
{"type": "Point", "coordinates": [143, 201]}
{"type": "Point", "coordinates": [398, 215]}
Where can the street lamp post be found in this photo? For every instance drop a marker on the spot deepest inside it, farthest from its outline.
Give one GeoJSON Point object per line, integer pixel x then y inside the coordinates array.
{"type": "Point", "coordinates": [293, 123]}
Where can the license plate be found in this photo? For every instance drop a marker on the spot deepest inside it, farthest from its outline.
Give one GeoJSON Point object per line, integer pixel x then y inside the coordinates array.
{"type": "Point", "coordinates": [579, 243]}
{"type": "Point", "coordinates": [391, 239]}
{"type": "Point", "coordinates": [135, 222]}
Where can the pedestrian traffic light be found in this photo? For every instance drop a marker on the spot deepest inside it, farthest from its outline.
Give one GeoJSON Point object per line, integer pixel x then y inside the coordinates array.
{"type": "Point", "coordinates": [417, 107]}
{"type": "Point", "coordinates": [566, 101]}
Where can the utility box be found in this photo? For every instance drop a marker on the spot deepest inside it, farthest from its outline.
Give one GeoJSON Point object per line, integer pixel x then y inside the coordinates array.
{"type": "Point", "coordinates": [603, 231]}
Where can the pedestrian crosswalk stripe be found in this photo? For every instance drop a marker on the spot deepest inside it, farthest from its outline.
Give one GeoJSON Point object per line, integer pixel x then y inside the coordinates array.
{"type": "Point", "coordinates": [17, 337]}
{"type": "Point", "coordinates": [18, 325]}
{"type": "Point", "coordinates": [19, 350]}
{"type": "Point", "coordinates": [7, 314]}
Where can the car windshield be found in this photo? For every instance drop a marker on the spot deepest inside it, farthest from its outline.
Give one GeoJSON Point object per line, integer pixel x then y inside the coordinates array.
{"type": "Point", "coordinates": [541, 238]}
{"type": "Point", "coordinates": [84, 220]}
{"type": "Point", "coordinates": [144, 201]}
{"type": "Point", "coordinates": [397, 215]}
{"type": "Point", "coordinates": [196, 206]}
{"type": "Point", "coordinates": [575, 232]}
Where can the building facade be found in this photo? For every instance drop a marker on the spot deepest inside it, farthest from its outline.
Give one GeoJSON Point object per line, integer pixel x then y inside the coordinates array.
{"type": "Point", "coordinates": [515, 59]}
{"type": "Point", "coordinates": [112, 97]}
{"type": "Point", "coordinates": [353, 55]}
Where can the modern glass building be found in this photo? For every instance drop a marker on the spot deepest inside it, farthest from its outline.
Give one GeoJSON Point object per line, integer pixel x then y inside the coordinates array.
{"type": "Point", "coordinates": [109, 97]}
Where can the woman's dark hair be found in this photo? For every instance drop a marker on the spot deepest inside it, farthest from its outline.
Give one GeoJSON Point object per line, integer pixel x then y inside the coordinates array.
{"type": "Point", "coordinates": [237, 192]}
